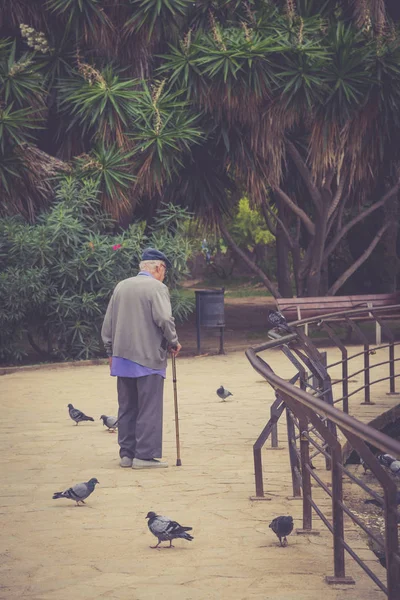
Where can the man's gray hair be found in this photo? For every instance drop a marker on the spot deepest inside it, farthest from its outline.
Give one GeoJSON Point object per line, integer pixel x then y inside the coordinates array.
{"type": "Point", "coordinates": [150, 265]}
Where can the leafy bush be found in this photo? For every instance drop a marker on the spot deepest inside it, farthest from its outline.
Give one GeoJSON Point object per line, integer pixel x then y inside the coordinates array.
{"type": "Point", "coordinates": [57, 275]}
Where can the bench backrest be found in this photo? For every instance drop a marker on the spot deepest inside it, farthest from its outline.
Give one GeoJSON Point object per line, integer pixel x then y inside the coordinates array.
{"type": "Point", "coordinates": [303, 308]}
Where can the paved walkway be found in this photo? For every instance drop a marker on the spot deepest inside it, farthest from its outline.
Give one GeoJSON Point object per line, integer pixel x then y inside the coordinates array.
{"type": "Point", "coordinates": [52, 549]}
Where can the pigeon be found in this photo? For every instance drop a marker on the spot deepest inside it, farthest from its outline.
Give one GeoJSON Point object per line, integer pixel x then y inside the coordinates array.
{"type": "Point", "coordinates": [166, 530]}
{"type": "Point", "coordinates": [282, 526]}
{"type": "Point", "coordinates": [223, 393]}
{"type": "Point", "coordinates": [364, 465]}
{"type": "Point", "coordinates": [385, 459]}
{"type": "Point", "coordinates": [78, 492]}
{"type": "Point", "coordinates": [395, 467]}
{"type": "Point", "coordinates": [77, 415]}
{"type": "Point", "coordinates": [110, 422]}
{"type": "Point", "coordinates": [276, 318]}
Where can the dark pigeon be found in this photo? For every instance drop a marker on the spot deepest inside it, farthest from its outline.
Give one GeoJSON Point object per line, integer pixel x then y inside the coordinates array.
{"type": "Point", "coordinates": [166, 530]}
{"type": "Point", "coordinates": [78, 492]}
{"type": "Point", "coordinates": [282, 526]}
{"type": "Point", "coordinates": [276, 318]}
{"type": "Point", "coordinates": [77, 415]}
{"type": "Point", "coordinates": [110, 422]}
{"type": "Point", "coordinates": [223, 393]}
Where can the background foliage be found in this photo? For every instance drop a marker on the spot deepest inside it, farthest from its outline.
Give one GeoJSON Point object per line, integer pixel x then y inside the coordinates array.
{"type": "Point", "coordinates": [57, 275]}
{"type": "Point", "coordinates": [292, 104]}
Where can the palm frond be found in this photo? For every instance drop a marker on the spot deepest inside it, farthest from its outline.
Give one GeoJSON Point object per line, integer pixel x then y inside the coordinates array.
{"type": "Point", "coordinates": [111, 169]}
{"type": "Point", "coordinates": [17, 126]}
{"type": "Point", "coordinates": [101, 103]}
{"type": "Point", "coordinates": [147, 13]}
{"type": "Point", "coordinates": [21, 83]}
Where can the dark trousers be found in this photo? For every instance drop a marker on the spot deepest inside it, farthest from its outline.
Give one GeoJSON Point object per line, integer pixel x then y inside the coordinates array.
{"type": "Point", "coordinates": [140, 416]}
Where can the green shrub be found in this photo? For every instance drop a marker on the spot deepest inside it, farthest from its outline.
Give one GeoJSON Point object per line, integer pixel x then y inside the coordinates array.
{"type": "Point", "coordinates": [57, 275]}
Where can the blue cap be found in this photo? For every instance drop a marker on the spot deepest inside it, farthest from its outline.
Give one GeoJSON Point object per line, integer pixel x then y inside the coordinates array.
{"type": "Point", "coordinates": [153, 254]}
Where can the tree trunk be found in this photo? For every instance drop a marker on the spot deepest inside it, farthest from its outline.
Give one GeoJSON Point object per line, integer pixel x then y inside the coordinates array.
{"type": "Point", "coordinates": [353, 268]}
{"type": "Point", "coordinates": [282, 257]}
{"type": "Point", "coordinates": [252, 266]}
{"type": "Point", "coordinates": [391, 262]}
{"type": "Point", "coordinates": [318, 245]}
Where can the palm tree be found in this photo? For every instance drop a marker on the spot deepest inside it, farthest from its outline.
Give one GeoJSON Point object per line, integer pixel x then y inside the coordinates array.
{"type": "Point", "coordinates": [294, 102]}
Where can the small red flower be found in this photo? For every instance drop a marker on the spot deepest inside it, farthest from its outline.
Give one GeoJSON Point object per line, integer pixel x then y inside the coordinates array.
{"type": "Point", "coordinates": [117, 246]}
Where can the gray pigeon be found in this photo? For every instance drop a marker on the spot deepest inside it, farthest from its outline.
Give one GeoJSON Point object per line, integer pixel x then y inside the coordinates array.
{"type": "Point", "coordinates": [77, 415]}
{"type": "Point", "coordinates": [166, 530]}
{"type": "Point", "coordinates": [223, 393]}
{"type": "Point", "coordinates": [110, 422]}
{"type": "Point", "coordinates": [395, 467]}
{"type": "Point", "coordinates": [78, 492]}
{"type": "Point", "coordinates": [282, 526]}
{"type": "Point", "coordinates": [385, 459]}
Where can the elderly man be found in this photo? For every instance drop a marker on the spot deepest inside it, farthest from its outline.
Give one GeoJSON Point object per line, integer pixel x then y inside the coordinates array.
{"type": "Point", "coordinates": [137, 332]}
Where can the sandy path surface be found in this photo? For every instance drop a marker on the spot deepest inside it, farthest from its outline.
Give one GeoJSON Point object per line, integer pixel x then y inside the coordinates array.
{"type": "Point", "coordinates": [52, 549]}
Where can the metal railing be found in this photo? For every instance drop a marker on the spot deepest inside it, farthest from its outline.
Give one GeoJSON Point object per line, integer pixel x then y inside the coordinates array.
{"type": "Point", "coordinates": [314, 421]}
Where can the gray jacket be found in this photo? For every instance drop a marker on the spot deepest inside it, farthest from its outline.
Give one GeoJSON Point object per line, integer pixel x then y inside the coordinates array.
{"type": "Point", "coordinates": [138, 324]}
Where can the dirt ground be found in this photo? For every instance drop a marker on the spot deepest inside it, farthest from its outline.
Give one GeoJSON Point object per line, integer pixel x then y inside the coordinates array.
{"type": "Point", "coordinates": [52, 549]}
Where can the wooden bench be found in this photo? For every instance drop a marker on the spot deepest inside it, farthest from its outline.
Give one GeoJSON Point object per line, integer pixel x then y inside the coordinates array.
{"type": "Point", "coordinates": [296, 309]}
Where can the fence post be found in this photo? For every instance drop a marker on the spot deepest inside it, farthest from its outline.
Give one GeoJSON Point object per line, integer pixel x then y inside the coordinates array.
{"type": "Point", "coordinates": [294, 461]}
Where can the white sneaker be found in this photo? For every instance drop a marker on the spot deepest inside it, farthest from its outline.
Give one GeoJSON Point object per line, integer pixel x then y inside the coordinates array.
{"type": "Point", "coordinates": [138, 463]}
{"type": "Point", "coordinates": [125, 461]}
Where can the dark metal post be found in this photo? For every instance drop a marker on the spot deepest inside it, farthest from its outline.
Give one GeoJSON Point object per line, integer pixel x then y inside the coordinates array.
{"type": "Point", "coordinates": [316, 381]}
{"type": "Point", "coordinates": [198, 321]}
{"type": "Point", "coordinates": [365, 342]}
{"type": "Point", "coordinates": [305, 474]}
{"type": "Point", "coordinates": [294, 461]}
{"type": "Point", "coordinates": [367, 394]}
{"type": "Point", "coordinates": [221, 341]}
{"type": "Point", "coordinates": [345, 367]}
{"type": "Point", "coordinates": [391, 369]}
{"type": "Point", "coordinates": [337, 516]}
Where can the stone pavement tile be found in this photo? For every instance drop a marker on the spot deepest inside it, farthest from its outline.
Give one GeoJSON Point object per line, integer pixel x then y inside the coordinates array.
{"type": "Point", "coordinates": [52, 549]}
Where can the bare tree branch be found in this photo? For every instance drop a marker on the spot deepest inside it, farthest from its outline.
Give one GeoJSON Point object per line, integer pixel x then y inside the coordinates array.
{"type": "Point", "coordinates": [336, 198]}
{"type": "Point", "coordinates": [305, 174]}
{"type": "Point", "coordinates": [337, 217]}
{"type": "Point", "coordinates": [266, 211]}
{"type": "Point", "coordinates": [253, 267]}
{"type": "Point", "coordinates": [353, 268]}
{"type": "Point", "coordinates": [266, 207]}
{"type": "Point", "coordinates": [332, 245]}
{"type": "Point", "coordinates": [309, 225]}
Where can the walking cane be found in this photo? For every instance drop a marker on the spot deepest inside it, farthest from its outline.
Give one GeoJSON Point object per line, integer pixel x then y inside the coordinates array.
{"type": "Point", "coordinates": [178, 447]}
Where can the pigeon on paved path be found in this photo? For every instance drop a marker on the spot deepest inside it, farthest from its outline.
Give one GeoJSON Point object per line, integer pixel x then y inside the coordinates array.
{"type": "Point", "coordinates": [282, 526]}
{"type": "Point", "coordinates": [78, 492]}
{"type": "Point", "coordinates": [110, 422]}
{"type": "Point", "coordinates": [166, 530]}
{"type": "Point", "coordinates": [223, 393]}
{"type": "Point", "coordinates": [77, 415]}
